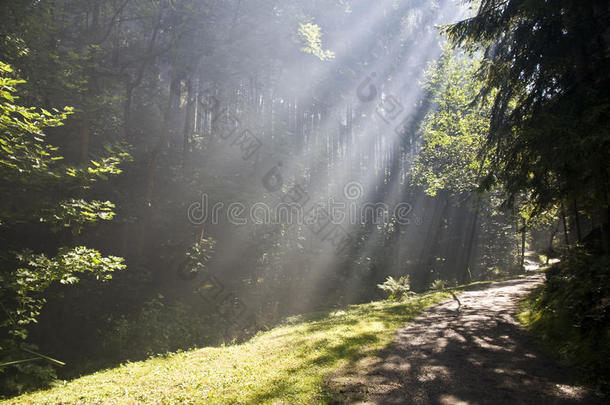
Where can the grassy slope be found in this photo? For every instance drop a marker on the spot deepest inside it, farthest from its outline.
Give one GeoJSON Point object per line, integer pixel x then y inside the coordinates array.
{"type": "Point", "coordinates": [285, 365]}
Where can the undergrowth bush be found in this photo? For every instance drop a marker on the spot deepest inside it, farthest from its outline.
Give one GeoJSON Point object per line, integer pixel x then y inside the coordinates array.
{"type": "Point", "coordinates": [160, 327]}
{"type": "Point", "coordinates": [17, 376]}
{"type": "Point", "coordinates": [570, 314]}
{"type": "Point", "coordinates": [396, 289]}
{"type": "Point", "coordinates": [438, 285]}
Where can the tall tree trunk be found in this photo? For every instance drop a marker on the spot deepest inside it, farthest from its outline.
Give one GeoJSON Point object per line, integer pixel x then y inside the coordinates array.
{"type": "Point", "coordinates": [523, 236]}
{"type": "Point", "coordinates": [565, 225]}
{"type": "Point", "coordinates": [85, 138]}
{"type": "Point", "coordinates": [471, 240]}
{"type": "Point", "coordinates": [127, 112]}
{"type": "Point", "coordinates": [154, 160]}
{"type": "Point", "coordinates": [431, 241]}
{"type": "Point", "coordinates": [550, 248]}
{"type": "Point", "coordinates": [605, 211]}
{"type": "Point", "coordinates": [577, 221]}
{"type": "Point", "coordinates": [605, 231]}
{"type": "Point", "coordinates": [188, 122]}
{"type": "Point", "coordinates": [132, 85]}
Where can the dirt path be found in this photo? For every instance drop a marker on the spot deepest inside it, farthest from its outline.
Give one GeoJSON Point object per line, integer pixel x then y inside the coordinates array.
{"type": "Point", "coordinates": [477, 355]}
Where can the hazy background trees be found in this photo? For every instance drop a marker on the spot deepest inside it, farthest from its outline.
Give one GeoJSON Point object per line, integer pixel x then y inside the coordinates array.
{"type": "Point", "coordinates": [335, 92]}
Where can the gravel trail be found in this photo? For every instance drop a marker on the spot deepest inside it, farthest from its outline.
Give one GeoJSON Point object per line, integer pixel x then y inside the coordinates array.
{"type": "Point", "coordinates": [475, 355]}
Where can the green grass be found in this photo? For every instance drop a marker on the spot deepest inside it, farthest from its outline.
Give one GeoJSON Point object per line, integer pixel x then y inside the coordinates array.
{"type": "Point", "coordinates": [287, 364]}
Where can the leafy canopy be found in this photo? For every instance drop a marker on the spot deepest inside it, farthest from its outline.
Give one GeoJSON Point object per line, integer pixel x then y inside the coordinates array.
{"type": "Point", "coordinates": [32, 170]}
{"type": "Point", "coordinates": [545, 64]}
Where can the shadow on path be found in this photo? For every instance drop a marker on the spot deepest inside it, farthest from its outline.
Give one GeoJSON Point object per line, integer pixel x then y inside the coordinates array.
{"type": "Point", "coordinates": [478, 355]}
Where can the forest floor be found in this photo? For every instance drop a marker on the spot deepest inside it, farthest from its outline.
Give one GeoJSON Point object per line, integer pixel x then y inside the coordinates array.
{"type": "Point", "coordinates": [360, 354]}
{"type": "Point", "coordinates": [286, 365]}
{"type": "Point", "coordinates": [477, 354]}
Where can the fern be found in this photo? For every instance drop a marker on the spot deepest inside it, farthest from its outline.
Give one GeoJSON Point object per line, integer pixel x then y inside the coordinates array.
{"type": "Point", "coordinates": [396, 289]}
{"type": "Point", "coordinates": [438, 285]}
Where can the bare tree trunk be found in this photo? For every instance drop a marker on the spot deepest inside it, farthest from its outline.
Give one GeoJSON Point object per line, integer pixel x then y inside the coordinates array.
{"type": "Point", "coordinates": [605, 212]}
{"type": "Point", "coordinates": [432, 237]}
{"type": "Point", "coordinates": [154, 159]}
{"type": "Point", "coordinates": [577, 221]}
{"type": "Point", "coordinates": [565, 226]}
{"type": "Point", "coordinates": [605, 230]}
{"type": "Point", "coordinates": [471, 239]}
{"type": "Point", "coordinates": [132, 85]}
{"type": "Point", "coordinates": [550, 249]}
{"type": "Point", "coordinates": [523, 235]}
{"type": "Point", "coordinates": [188, 122]}
{"type": "Point", "coordinates": [127, 111]}
{"type": "Point", "coordinates": [163, 136]}
{"type": "Point", "coordinates": [85, 138]}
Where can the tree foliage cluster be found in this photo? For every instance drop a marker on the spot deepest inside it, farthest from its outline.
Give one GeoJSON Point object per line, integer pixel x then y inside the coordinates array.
{"type": "Point", "coordinates": [545, 70]}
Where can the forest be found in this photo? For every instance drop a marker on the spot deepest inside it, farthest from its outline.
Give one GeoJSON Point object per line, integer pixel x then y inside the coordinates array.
{"type": "Point", "coordinates": [213, 175]}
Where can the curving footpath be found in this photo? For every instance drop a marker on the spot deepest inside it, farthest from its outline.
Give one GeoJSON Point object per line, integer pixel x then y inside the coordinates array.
{"type": "Point", "coordinates": [475, 355]}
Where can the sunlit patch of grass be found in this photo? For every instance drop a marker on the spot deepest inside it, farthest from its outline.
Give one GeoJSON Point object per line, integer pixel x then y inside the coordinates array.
{"type": "Point", "coordinates": [287, 364]}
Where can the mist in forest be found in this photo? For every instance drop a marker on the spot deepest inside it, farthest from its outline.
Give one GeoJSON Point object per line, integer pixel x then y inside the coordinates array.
{"type": "Point", "coordinates": [193, 172]}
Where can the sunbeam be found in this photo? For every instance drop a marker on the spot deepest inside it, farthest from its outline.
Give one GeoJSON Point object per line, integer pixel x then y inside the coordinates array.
{"type": "Point", "coordinates": [243, 202]}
